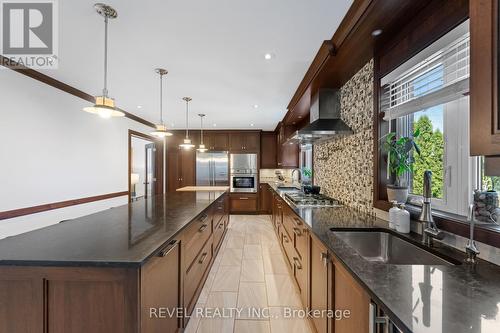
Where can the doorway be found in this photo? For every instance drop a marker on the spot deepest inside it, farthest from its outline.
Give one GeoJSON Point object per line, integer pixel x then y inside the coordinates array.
{"type": "Point", "coordinates": [145, 166]}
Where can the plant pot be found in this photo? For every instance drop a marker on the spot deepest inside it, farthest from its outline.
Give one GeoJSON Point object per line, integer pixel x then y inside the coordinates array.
{"type": "Point", "coordinates": [397, 193]}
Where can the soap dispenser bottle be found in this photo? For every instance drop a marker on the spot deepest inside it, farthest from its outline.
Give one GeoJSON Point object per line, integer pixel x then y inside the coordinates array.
{"type": "Point", "coordinates": [403, 219]}
{"type": "Point", "coordinates": [393, 215]}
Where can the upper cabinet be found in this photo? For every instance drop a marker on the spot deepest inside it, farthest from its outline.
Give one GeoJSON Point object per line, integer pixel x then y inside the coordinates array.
{"type": "Point", "coordinates": [287, 153]}
{"type": "Point", "coordinates": [216, 141]}
{"type": "Point", "coordinates": [244, 141]}
{"type": "Point", "coordinates": [268, 156]}
{"type": "Point", "coordinates": [484, 88]}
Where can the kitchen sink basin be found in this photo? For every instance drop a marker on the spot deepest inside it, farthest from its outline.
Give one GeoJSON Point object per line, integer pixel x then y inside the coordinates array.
{"type": "Point", "coordinates": [384, 247]}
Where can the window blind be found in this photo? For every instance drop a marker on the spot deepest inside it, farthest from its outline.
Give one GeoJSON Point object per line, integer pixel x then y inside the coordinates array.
{"type": "Point", "coordinates": [438, 79]}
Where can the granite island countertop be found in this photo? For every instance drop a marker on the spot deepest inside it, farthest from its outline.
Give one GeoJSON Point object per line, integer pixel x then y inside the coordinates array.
{"type": "Point", "coordinates": [124, 236]}
{"type": "Point", "coordinates": [417, 298]}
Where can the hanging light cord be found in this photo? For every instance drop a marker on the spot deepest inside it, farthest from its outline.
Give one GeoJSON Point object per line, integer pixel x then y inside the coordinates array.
{"type": "Point", "coordinates": [105, 90]}
{"type": "Point", "coordinates": [201, 129]}
{"type": "Point", "coordinates": [161, 98]}
{"type": "Point", "coordinates": [187, 124]}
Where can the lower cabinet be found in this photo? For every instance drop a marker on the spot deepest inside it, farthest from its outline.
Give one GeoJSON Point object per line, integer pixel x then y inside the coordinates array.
{"type": "Point", "coordinates": [243, 203]}
{"type": "Point", "coordinates": [319, 284]}
{"type": "Point", "coordinates": [265, 199]}
{"type": "Point", "coordinates": [160, 288]}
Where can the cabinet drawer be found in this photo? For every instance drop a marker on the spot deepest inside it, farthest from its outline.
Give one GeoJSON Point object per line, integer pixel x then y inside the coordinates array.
{"type": "Point", "coordinates": [219, 209]}
{"type": "Point", "coordinates": [194, 275]}
{"type": "Point", "coordinates": [301, 237]}
{"type": "Point", "coordinates": [288, 246]}
{"type": "Point", "coordinates": [219, 230]}
{"type": "Point", "coordinates": [195, 237]}
{"type": "Point", "coordinates": [300, 274]}
{"type": "Point", "coordinates": [243, 203]}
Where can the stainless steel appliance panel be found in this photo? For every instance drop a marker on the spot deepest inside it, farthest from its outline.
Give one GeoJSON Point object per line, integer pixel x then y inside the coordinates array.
{"type": "Point", "coordinates": [212, 169]}
{"type": "Point", "coordinates": [243, 163]}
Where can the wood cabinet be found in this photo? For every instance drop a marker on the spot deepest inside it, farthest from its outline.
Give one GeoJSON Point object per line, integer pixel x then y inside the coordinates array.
{"type": "Point", "coordinates": [181, 166]}
{"type": "Point", "coordinates": [349, 295]}
{"type": "Point", "coordinates": [243, 203]}
{"type": "Point", "coordinates": [216, 141]}
{"type": "Point", "coordinates": [244, 141]}
{"type": "Point", "coordinates": [265, 199]}
{"type": "Point", "coordinates": [484, 91]}
{"type": "Point", "coordinates": [287, 153]}
{"type": "Point", "coordinates": [318, 283]}
{"type": "Point", "coordinates": [269, 154]}
{"type": "Point", "coordinates": [160, 288]}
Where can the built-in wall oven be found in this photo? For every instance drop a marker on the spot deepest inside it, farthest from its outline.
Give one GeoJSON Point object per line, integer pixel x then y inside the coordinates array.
{"type": "Point", "coordinates": [243, 170]}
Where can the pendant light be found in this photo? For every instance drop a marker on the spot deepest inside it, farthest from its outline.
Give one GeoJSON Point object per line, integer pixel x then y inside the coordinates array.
{"type": "Point", "coordinates": [201, 147]}
{"type": "Point", "coordinates": [104, 105]}
{"type": "Point", "coordinates": [161, 129]}
{"type": "Point", "coordinates": [187, 141]}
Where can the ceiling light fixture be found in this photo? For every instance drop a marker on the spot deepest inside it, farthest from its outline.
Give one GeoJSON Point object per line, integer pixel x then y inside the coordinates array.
{"type": "Point", "coordinates": [104, 105]}
{"type": "Point", "coordinates": [268, 56]}
{"type": "Point", "coordinates": [215, 125]}
{"type": "Point", "coordinates": [139, 106]}
{"type": "Point", "coordinates": [161, 129]}
{"type": "Point", "coordinates": [187, 144]}
{"type": "Point", "coordinates": [256, 106]}
{"type": "Point", "coordinates": [251, 125]}
{"type": "Point", "coordinates": [201, 147]}
{"type": "Point", "coordinates": [376, 32]}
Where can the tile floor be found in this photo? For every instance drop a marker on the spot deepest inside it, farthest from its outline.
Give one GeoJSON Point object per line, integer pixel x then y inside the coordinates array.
{"type": "Point", "coordinates": [249, 272]}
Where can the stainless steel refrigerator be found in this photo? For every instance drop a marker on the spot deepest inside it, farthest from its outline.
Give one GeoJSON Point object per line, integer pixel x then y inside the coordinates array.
{"type": "Point", "coordinates": [212, 168]}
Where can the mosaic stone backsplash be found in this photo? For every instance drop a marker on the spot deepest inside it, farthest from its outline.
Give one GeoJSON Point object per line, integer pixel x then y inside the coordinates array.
{"type": "Point", "coordinates": [344, 166]}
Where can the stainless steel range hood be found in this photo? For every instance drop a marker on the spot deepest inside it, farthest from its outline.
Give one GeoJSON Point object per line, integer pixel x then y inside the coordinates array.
{"type": "Point", "coordinates": [325, 122]}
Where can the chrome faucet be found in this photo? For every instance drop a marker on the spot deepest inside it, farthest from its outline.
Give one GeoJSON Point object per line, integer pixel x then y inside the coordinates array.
{"type": "Point", "coordinates": [299, 179]}
{"type": "Point", "coordinates": [471, 249]}
{"type": "Point", "coordinates": [430, 229]}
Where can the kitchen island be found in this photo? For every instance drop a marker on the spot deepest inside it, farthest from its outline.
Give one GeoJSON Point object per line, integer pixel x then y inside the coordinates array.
{"type": "Point", "coordinates": [112, 271]}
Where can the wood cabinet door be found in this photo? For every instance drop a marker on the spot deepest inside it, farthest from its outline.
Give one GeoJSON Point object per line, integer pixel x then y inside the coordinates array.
{"type": "Point", "coordinates": [220, 141]}
{"type": "Point", "coordinates": [187, 167]}
{"type": "Point", "coordinates": [289, 156]}
{"type": "Point", "coordinates": [173, 170]}
{"type": "Point", "coordinates": [236, 141]}
{"type": "Point", "coordinates": [349, 295]}
{"type": "Point", "coordinates": [268, 154]}
{"type": "Point", "coordinates": [318, 283]}
{"type": "Point", "coordinates": [484, 91]}
{"type": "Point", "coordinates": [160, 288]}
{"type": "Point", "coordinates": [251, 142]}
{"type": "Point", "coordinates": [265, 199]}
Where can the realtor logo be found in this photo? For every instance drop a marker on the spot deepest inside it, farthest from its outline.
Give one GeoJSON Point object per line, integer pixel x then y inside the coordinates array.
{"type": "Point", "coordinates": [29, 33]}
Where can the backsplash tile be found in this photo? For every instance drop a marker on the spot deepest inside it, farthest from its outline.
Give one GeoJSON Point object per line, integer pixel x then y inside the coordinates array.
{"type": "Point", "coordinates": [344, 166]}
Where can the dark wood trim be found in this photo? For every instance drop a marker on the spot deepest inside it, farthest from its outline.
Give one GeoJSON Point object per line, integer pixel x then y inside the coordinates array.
{"type": "Point", "coordinates": [57, 205]}
{"type": "Point", "coordinates": [159, 161]}
{"type": "Point", "coordinates": [6, 62]}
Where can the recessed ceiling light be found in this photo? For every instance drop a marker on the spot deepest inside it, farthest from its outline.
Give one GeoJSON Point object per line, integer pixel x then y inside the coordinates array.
{"type": "Point", "coordinates": [214, 125]}
{"type": "Point", "coordinates": [139, 106]}
{"type": "Point", "coordinates": [251, 125]}
{"type": "Point", "coordinates": [377, 32]}
{"type": "Point", "coordinates": [269, 56]}
{"type": "Point", "coordinates": [256, 106]}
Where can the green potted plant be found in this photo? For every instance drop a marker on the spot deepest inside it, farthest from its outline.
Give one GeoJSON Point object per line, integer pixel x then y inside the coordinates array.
{"type": "Point", "coordinates": [401, 160]}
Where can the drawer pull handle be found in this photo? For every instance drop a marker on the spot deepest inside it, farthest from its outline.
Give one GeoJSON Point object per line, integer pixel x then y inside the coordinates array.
{"type": "Point", "coordinates": [221, 225]}
{"type": "Point", "coordinates": [285, 238]}
{"type": "Point", "coordinates": [167, 249]}
{"type": "Point", "coordinates": [202, 258]}
{"type": "Point", "coordinates": [297, 263]}
{"type": "Point", "coordinates": [324, 257]}
{"type": "Point", "coordinates": [203, 218]}
{"type": "Point", "coordinates": [203, 227]}
{"type": "Point", "coordinates": [297, 231]}
{"type": "Point", "coordinates": [243, 198]}
{"type": "Point", "coordinates": [297, 221]}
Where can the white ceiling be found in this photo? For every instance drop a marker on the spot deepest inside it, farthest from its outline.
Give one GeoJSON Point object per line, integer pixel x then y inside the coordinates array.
{"type": "Point", "coordinates": [214, 52]}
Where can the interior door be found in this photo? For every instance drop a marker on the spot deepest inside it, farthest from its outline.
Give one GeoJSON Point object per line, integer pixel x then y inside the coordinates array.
{"type": "Point", "coordinates": [150, 177]}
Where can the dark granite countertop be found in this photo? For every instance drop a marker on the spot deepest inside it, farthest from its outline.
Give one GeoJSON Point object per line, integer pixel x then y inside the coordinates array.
{"type": "Point", "coordinates": [417, 298]}
{"type": "Point", "coordinates": [123, 236]}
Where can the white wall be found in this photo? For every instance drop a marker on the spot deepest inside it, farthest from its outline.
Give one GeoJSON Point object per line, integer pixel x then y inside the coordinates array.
{"type": "Point", "coordinates": [50, 151]}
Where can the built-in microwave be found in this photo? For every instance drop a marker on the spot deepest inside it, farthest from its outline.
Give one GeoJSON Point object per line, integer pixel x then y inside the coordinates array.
{"type": "Point", "coordinates": [244, 183]}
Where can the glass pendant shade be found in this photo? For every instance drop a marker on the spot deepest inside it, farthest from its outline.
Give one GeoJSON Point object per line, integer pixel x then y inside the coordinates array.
{"type": "Point", "coordinates": [201, 146]}
{"type": "Point", "coordinates": [161, 131]}
{"type": "Point", "coordinates": [104, 107]}
{"type": "Point", "coordinates": [187, 144]}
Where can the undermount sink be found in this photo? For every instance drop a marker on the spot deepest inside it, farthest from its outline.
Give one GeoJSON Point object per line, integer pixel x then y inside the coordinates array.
{"type": "Point", "coordinates": [384, 247]}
